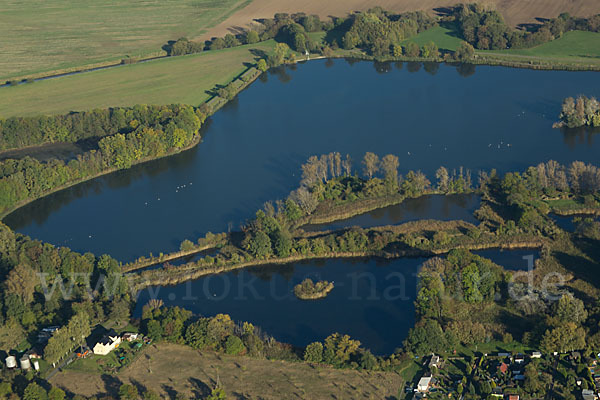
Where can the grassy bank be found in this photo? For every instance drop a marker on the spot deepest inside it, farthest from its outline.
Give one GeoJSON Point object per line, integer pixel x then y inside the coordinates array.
{"type": "Point", "coordinates": [57, 35]}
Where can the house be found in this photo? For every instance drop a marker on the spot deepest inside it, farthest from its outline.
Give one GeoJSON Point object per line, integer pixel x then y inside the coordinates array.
{"type": "Point", "coordinates": [536, 354]}
{"type": "Point", "coordinates": [497, 392]}
{"type": "Point", "coordinates": [513, 397]}
{"type": "Point", "coordinates": [519, 377]}
{"type": "Point", "coordinates": [587, 394]}
{"type": "Point", "coordinates": [520, 358]}
{"type": "Point", "coordinates": [424, 383]}
{"type": "Point", "coordinates": [434, 362]}
{"type": "Point", "coordinates": [108, 343]}
{"type": "Point", "coordinates": [504, 355]}
{"type": "Point", "coordinates": [130, 337]}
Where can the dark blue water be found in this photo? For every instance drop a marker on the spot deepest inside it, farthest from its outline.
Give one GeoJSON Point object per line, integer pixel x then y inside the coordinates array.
{"type": "Point", "coordinates": [483, 118]}
{"type": "Point", "coordinates": [372, 300]}
{"type": "Point", "coordinates": [439, 207]}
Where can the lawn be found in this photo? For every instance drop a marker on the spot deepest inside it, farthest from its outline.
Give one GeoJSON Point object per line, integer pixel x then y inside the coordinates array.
{"type": "Point", "coordinates": [46, 35]}
{"type": "Point", "coordinates": [572, 46]}
{"type": "Point", "coordinates": [184, 79]}
{"type": "Point", "coordinates": [445, 37]}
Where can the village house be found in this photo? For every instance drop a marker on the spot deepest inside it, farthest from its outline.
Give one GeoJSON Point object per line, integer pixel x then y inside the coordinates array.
{"type": "Point", "coordinates": [130, 337]}
{"type": "Point", "coordinates": [110, 341]}
{"type": "Point", "coordinates": [434, 362]}
{"type": "Point", "coordinates": [424, 383]}
{"type": "Point", "coordinates": [587, 394]}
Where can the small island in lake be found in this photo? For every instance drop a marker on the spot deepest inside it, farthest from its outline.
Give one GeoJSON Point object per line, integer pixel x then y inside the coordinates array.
{"type": "Point", "coordinates": [309, 290]}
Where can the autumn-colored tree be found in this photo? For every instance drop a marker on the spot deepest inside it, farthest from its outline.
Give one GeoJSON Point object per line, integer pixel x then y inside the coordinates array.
{"type": "Point", "coordinates": [370, 164]}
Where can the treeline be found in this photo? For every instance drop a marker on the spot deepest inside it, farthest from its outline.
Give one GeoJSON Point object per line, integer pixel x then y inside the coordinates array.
{"type": "Point", "coordinates": [485, 29]}
{"type": "Point", "coordinates": [19, 132]}
{"type": "Point", "coordinates": [165, 129]}
{"type": "Point", "coordinates": [377, 30]}
{"type": "Point", "coordinates": [582, 111]}
{"type": "Point", "coordinates": [285, 28]}
{"type": "Point", "coordinates": [220, 333]}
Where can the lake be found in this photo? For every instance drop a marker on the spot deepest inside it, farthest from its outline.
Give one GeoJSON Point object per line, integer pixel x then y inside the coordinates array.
{"type": "Point", "coordinates": [372, 300]}
{"type": "Point", "coordinates": [479, 118]}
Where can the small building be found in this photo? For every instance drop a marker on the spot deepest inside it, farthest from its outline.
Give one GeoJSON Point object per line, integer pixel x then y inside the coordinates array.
{"type": "Point", "coordinates": [504, 355]}
{"type": "Point", "coordinates": [108, 343]}
{"type": "Point", "coordinates": [513, 397]}
{"type": "Point", "coordinates": [25, 363]}
{"type": "Point", "coordinates": [587, 394]}
{"type": "Point", "coordinates": [130, 337]}
{"type": "Point", "coordinates": [11, 362]}
{"type": "Point", "coordinates": [424, 383]}
{"type": "Point", "coordinates": [520, 358]}
{"type": "Point", "coordinates": [434, 362]}
{"type": "Point", "coordinates": [536, 354]}
{"type": "Point", "coordinates": [498, 392]}
{"type": "Point", "coordinates": [519, 377]}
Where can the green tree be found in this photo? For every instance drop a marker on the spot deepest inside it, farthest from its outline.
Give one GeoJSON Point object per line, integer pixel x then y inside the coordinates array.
{"type": "Point", "coordinates": [314, 352]}
{"type": "Point", "coordinates": [33, 391]}
{"type": "Point", "coordinates": [11, 334]}
{"type": "Point", "coordinates": [218, 393]}
{"type": "Point", "coordinates": [430, 50]}
{"type": "Point", "coordinates": [234, 345]}
{"type": "Point", "coordinates": [261, 65]}
{"type": "Point", "coordinates": [464, 52]}
{"type": "Point", "coordinates": [470, 284]}
{"type": "Point", "coordinates": [569, 308]}
{"type": "Point", "coordinates": [155, 330]}
{"type": "Point", "coordinates": [252, 37]}
{"type": "Point", "coordinates": [260, 245]}
{"type": "Point", "coordinates": [564, 338]}
{"type": "Point", "coordinates": [56, 393]}
{"type": "Point", "coordinates": [128, 392]}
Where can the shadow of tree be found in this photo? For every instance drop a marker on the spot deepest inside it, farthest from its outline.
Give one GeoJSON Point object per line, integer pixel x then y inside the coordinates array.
{"type": "Point", "coordinates": [111, 384]}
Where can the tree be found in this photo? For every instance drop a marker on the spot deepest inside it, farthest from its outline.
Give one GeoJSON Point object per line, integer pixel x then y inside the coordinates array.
{"type": "Point", "coordinates": [217, 394]}
{"type": "Point", "coordinates": [464, 52]}
{"type": "Point", "coordinates": [22, 281]}
{"type": "Point", "coordinates": [11, 334]}
{"type": "Point", "coordinates": [154, 329]}
{"type": "Point", "coordinates": [314, 352]}
{"type": "Point", "coordinates": [33, 391]}
{"type": "Point", "coordinates": [569, 308]}
{"type": "Point", "coordinates": [389, 165]}
{"type": "Point", "coordinates": [56, 394]}
{"type": "Point", "coordinates": [564, 338]}
{"type": "Point", "coordinates": [411, 49]}
{"type": "Point", "coordinates": [443, 179]}
{"type": "Point", "coordinates": [370, 164]}
{"type": "Point", "coordinates": [279, 53]}
{"type": "Point", "coordinates": [231, 41]}
{"type": "Point", "coordinates": [339, 349]}
{"type": "Point", "coordinates": [259, 245]}
{"type": "Point", "coordinates": [397, 50]}
{"type": "Point", "coordinates": [252, 37]}
{"type": "Point", "coordinates": [128, 392]}
{"type": "Point", "coordinates": [300, 42]}
{"type": "Point", "coordinates": [151, 395]}
{"type": "Point", "coordinates": [430, 50]}
{"type": "Point", "coordinates": [261, 65]}
{"type": "Point", "coordinates": [470, 284]}
{"type": "Point", "coordinates": [234, 345]}
{"type": "Point", "coordinates": [217, 44]}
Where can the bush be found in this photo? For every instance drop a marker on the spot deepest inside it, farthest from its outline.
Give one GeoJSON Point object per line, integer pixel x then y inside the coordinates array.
{"type": "Point", "coordinates": [234, 345]}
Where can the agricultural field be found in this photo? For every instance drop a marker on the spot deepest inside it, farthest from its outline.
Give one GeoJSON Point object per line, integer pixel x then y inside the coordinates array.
{"type": "Point", "coordinates": [184, 79]}
{"type": "Point", "coordinates": [46, 35]}
{"type": "Point", "coordinates": [169, 368]}
{"type": "Point", "coordinates": [514, 11]}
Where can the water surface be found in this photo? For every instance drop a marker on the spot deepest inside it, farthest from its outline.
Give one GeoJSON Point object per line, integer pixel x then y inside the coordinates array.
{"type": "Point", "coordinates": [432, 115]}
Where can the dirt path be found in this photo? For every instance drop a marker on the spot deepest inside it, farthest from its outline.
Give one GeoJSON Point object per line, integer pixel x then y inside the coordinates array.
{"type": "Point", "coordinates": [514, 11]}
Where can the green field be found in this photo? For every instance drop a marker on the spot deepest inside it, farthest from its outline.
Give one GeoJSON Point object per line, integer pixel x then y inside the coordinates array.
{"type": "Point", "coordinates": [572, 45]}
{"type": "Point", "coordinates": [46, 35]}
{"type": "Point", "coordinates": [445, 37]}
{"type": "Point", "coordinates": [184, 79]}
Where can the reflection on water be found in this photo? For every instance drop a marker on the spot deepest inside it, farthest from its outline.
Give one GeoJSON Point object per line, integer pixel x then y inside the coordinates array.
{"type": "Point", "coordinates": [254, 147]}
{"type": "Point", "coordinates": [439, 207]}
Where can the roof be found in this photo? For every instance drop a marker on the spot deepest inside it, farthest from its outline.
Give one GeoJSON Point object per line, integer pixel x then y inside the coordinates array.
{"type": "Point", "coordinates": [513, 397]}
{"type": "Point", "coordinates": [503, 368]}
{"type": "Point", "coordinates": [425, 381]}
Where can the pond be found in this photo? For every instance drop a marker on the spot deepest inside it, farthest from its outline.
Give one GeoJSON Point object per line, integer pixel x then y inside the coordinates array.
{"type": "Point", "coordinates": [439, 207]}
{"type": "Point", "coordinates": [372, 300]}
{"type": "Point", "coordinates": [483, 118]}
